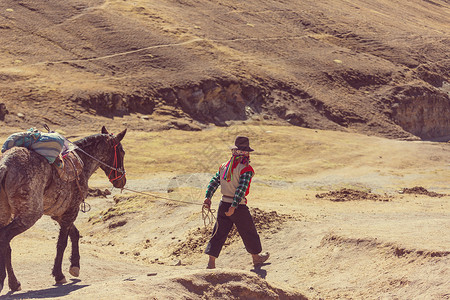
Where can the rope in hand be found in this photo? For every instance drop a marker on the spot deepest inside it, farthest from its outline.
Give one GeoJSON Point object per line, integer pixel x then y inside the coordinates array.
{"type": "Point", "coordinates": [208, 214]}
{"type": "Point", "coordinates": [209, 217]}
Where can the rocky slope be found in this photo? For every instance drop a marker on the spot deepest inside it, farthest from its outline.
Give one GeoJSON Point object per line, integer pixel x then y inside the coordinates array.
{"type": "Point", "coordinates": [377, 67]}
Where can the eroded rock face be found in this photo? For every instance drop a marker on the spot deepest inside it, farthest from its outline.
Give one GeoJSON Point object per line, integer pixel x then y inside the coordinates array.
{"type": "Point", "coordinates": [208, 102]}
{"type": "Point", "coordinates": [420, 110]}
{"type": "Point", "coordinates": [115, 104]}
{"type": "Point", "coordinates": [217, 102]}
{"type": "Point", "coordinates": [423, 112]}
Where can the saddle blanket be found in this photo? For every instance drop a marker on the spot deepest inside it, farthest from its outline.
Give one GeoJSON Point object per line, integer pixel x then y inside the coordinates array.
{"type": "Point", "coordinates": [71, 166]}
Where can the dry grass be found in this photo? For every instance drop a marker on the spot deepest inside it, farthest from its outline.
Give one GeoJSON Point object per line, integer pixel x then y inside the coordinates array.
{"type": "Point", "coordinates": [285, 153]}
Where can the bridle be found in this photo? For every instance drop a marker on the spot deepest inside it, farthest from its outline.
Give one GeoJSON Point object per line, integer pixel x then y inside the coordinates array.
{"type": "Point", "coordinates": [114, 169]}
{"type": "Point", "coordinates": [85, 207]}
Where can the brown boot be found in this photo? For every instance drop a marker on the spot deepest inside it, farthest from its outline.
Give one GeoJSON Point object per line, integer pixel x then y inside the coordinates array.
{"type": "Point", "coordinates": [259, 259]}
{"type": "Point", "coordinates": [211, 262]}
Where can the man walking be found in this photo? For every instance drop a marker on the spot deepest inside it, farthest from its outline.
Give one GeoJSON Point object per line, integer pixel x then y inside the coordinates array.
{"type": "Point", "coordinates": [234, 177]}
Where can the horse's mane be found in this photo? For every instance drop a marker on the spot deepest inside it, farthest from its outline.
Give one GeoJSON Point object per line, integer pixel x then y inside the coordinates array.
{"type": "Point", "coordinates": [86, 141]}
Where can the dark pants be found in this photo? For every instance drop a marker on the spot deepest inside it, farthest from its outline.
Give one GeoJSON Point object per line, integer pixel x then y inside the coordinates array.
{"type": "Point", "coordinates": [244, 224]}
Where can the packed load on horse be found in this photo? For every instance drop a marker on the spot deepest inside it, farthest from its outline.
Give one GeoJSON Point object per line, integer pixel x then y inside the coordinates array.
{"type": "Point", "coordinates": [51, 145]}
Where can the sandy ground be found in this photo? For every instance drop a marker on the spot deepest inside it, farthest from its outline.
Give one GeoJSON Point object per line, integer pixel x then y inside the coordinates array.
{"type": "Point", "coordinates": [326, 242]}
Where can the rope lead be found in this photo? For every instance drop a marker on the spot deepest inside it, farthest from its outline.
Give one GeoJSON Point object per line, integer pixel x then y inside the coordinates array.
{"type": "Point", "coordinates": [208, 214]}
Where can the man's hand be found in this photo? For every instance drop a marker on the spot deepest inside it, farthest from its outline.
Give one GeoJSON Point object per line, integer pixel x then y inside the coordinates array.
{"type": "Point", "coordinates": [207, 203]}
{"type": "Point", "coordinates": [230, 211]}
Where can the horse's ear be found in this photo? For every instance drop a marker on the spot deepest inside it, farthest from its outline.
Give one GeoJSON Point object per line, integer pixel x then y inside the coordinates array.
{"type": "Point", "coordinates": [121, 135]}
{"type": "Point", "coordinates": [104, 131]}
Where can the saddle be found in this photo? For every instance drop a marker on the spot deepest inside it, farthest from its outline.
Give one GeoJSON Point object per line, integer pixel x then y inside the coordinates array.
{"type": "Point", "coordinates": [69, 166]}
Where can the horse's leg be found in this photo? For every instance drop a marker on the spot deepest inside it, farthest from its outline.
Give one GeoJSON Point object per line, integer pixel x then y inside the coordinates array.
{"type": "Point", "coordinates": [60, 247]}
{"type": "Point", "coordinates": [5, 218]}
{"type": "Point", "coordinates": [13, 283]}
{"type": "Point", "coordinates": [74, 235]}
{"type": "Point", "coordinates": [66, 223]}
{"type": "Point", "coordinates": [7, 233]}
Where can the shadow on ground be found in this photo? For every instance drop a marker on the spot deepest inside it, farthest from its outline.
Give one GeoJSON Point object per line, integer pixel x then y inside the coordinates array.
{"type": "Point", "coordinates": [54, 292]}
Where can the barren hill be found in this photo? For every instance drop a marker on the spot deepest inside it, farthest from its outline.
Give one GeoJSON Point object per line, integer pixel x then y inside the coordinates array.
{"type": "Point", "coordinates": [378, 67]}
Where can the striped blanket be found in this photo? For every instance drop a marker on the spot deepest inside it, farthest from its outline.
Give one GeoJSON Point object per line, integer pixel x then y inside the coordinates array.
{"type": "Point", "coordinates": [48, 145]}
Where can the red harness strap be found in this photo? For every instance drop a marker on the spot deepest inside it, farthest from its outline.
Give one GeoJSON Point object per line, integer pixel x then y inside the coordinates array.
{"type": "Point", "coordinates": [115, 170]}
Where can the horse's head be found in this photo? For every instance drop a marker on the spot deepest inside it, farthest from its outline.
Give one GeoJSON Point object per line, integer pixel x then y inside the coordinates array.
{"type": "Point", "coordinates": [116, 175]}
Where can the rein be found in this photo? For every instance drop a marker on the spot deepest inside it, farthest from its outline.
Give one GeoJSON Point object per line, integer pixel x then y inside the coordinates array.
{"type": "Point", "coordinates": [208, 214]}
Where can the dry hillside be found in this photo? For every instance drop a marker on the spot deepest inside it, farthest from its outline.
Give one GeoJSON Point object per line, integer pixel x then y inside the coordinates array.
{"type": "Point", "coordinates": [378, 67]}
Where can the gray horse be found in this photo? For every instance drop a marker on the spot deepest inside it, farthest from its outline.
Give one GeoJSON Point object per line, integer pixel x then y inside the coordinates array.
{"type": "Point", "coordinates": [30, 187]}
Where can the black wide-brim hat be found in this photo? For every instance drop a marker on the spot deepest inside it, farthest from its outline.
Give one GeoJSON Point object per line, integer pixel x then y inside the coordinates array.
{"type": "Point", "coordinates": [242, 143]}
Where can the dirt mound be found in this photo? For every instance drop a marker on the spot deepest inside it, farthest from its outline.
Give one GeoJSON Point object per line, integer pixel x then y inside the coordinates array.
{"type": "Point", "coordinates": [418, 190]}
{"type": "Point", "coordinates": [383, 264]}
{"type": "Point", "coordinates": [351, 195]}
{"type": "Point", "coordinates": [389, 249]}
{"type": "Point", "coordinates": [232, 285]}
{"type": "Point", "coordinates": [197, 239]}
{"type": "Point", "coordinates": [195, 242]}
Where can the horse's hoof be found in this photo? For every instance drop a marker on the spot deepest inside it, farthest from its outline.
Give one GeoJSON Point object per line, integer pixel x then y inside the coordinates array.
{"type": "Point", "coordinates": [61, 281]}
{"type": "Point", "coordinates": [74, 271]}
{"type": "Point", "coordinates": [15, 288]}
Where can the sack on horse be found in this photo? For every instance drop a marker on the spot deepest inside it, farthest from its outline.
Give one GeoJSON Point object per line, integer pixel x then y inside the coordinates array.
{"type": "Point", "coordinates": [53, 146]}
{"type": "Point", "coordinates": [49, 145]}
